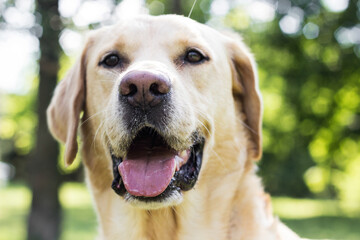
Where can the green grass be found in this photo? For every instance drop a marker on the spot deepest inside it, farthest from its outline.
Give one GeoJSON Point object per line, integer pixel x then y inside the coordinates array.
{"type": "Point", "coordinates": [341, 228]}
{"type": "Point", "coordinates": [79, 217]}
{"type": "Point", "coordinates": [14, 205]}
{"type": "Point", "coordinates": [79, 220]}
{"type": "Point", "coordinates": [317, 219]}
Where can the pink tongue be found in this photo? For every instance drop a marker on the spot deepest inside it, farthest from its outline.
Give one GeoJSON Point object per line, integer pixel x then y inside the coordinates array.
{"type": "Point", "coordinates": [148, 174]}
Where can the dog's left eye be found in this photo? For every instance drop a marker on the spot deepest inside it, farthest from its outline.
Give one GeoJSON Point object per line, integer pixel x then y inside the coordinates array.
{"type": "Point", "coordinates": [194, 56]}
{"type": "Point", "coordinates": [111, 61]}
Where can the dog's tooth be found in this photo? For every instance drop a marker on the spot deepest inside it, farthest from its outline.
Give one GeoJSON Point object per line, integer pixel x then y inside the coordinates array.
{"type": "Point", "coordinates": [184, 154]}
{"type": "Point", "coordinates": [178, 161]}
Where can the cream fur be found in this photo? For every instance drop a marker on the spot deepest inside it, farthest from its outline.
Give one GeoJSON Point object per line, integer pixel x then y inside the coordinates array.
{"type": "Point", "coordinates": [220, 98]}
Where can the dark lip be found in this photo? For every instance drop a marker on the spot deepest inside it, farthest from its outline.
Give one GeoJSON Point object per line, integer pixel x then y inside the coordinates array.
{"type": "Point", "coordinates": [183, 180]}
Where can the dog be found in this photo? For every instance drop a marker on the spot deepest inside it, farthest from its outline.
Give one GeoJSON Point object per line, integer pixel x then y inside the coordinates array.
{"type": "Point", "coordinates": [170, 128]}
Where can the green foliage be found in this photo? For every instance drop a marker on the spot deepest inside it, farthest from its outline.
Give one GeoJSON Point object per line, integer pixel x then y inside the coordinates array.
{"type": "Point", "coordinates": [17, 127]}
{"type": "Point", "coordinates": [310, 84]}
{"type": "Point", "coordinates": [316, 219]}
{"type": "Point", "coordinates": [200, 13]}
{"type": "Point", "coordinates": [311, 97]}
{"type": "Point", "coordinates": [18, 122]}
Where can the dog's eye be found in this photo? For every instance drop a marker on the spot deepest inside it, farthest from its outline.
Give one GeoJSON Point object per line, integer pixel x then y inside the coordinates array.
{"type": "Point", "coordinates": [194, 56]}
{"type": "Point", "coordinates": [111, 60]}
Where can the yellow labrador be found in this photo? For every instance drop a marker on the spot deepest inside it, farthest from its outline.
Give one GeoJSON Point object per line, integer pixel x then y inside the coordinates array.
{"type": "Point", "coordinates": [170, 132]}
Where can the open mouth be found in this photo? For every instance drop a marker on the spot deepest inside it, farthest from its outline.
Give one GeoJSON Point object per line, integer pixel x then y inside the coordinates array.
{"type": "Point", "coordinates": [152, 170]}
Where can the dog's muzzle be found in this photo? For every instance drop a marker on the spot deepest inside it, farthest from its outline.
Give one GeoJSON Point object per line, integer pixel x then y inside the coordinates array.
{"type": "Point", "coordinates": [152, 170]}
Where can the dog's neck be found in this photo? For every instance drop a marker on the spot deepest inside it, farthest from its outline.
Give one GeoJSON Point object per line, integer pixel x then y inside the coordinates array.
{"type": "Point", "coordinates": [204, 212]}
{"type": "Point", "coordinates": [118, 218]}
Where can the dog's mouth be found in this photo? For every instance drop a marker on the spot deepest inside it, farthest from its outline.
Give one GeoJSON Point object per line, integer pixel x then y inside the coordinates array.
{"type": "Point", "coordinates": [152, 170]}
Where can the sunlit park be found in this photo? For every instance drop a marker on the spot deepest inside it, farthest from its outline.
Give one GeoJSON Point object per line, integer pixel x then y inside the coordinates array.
{"type": "Point", "coordinates": [308, 58]}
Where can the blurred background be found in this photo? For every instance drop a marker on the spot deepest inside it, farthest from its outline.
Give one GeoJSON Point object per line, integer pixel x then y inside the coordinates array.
{"type": "Point", "coordinates": [308, 55]}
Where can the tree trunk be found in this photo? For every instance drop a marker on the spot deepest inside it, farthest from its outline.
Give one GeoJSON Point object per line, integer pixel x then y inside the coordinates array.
{"type": "Point", "coordinates": [44, 178]}
{"type": "Point", "coordinates": [176, 7]}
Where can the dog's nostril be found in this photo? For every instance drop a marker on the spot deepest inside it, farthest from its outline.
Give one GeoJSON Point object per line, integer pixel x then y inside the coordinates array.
{"type": "Point", "coordinates": [132, 90]}
{"type": "Point", "coordinates": [154, 89]}
{"type": "Point", "coordinates": [145, 88]}
{"type": "Point", "coordinates": [161, 87]}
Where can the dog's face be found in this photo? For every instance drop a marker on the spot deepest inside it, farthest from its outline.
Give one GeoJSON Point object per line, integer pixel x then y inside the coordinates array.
{"type": "Point", "coordinates": [156, 92]}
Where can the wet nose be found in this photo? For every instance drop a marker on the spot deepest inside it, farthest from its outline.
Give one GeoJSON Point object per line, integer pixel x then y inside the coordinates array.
{"type": "Point", "coordinates": [144, 88]}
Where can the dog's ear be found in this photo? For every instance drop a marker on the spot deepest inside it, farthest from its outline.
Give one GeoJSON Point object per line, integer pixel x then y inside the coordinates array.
{"type": "Point", "coordinates": [246, 91]}
{"type": "Point", "coordinates": [63, 113]}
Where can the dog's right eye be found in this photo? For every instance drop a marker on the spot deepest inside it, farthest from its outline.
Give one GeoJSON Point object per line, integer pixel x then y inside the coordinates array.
{"type": "Point", "coordinates": [195, 56]}
{"type": "Point", "coordinates": [111, 61]}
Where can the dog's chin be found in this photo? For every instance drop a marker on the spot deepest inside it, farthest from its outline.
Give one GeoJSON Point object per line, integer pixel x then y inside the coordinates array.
{"type": "Point", "coordinates": [173, 198]}
{"type": "Point", "coordinates": [153, 174]}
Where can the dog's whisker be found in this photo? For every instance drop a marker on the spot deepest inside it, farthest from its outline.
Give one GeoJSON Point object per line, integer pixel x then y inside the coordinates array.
{"type": "Point", "coordinates": [247, 126]}
{"type": "Point", "coordinates": [91, 117]}
{"type": "Point", "coordinates": [93, 144]}
{"type": "Point", "coordinates": [192, 8]}
{"type": "Point", "coordinates": [206, 128]}
{"type": "Point", "coordinates": [206, 118]}
{"type": "Point", "coordinates": [201, 112]}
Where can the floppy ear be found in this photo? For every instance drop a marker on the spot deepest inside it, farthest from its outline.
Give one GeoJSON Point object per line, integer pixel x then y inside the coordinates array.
{"type": "Point", "coordinates": [65, 107]}
{"type": "Point", "coordinates": [246, 92]}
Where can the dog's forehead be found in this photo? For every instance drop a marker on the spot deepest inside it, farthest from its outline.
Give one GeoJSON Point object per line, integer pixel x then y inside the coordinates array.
{"type": "Point", "coordinates": [167, 30]}
{"type": "Point", "coordinates": [158, 26]}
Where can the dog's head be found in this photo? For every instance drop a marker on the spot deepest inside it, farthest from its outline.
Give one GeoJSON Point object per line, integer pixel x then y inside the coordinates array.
{"type": "Point", "coordinates": [156, 92]}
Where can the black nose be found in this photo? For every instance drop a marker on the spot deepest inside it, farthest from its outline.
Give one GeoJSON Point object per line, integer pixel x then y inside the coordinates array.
{"type": "Point", "coordinates": [144, 88]}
